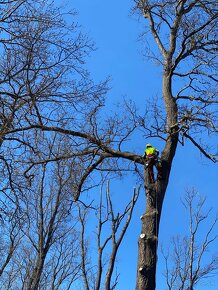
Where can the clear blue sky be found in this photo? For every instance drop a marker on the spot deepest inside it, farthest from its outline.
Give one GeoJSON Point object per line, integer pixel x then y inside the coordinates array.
{"type": "Point", "coordinates": [119, 55]}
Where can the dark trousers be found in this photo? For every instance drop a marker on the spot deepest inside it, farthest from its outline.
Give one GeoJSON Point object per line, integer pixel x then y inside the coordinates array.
{"type": "Point", "coordinates": [150, 163]}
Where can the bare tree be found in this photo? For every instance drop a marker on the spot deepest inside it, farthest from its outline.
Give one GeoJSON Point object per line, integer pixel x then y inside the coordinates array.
{"type": "Point", "coordinates": [185, 34]}
{"type": "Point", "coordinates": [189, 266]}
{"type": "Point", "coordinates": [43, 80]}
{"type": "Point", "coordinates": [111, 229]}
{"type": "Point", "coordinates": [10, 237]}
{"type": "Point", "coordinates": [48, 226]}
{"type": "Point", "coordinates": [47, 254]}
{"type": "Point", "coordinates": [46, 93]}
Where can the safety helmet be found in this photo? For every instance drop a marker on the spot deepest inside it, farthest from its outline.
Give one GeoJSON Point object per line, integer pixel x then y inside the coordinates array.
{"type": "Point", "coordinates": [148, 145]}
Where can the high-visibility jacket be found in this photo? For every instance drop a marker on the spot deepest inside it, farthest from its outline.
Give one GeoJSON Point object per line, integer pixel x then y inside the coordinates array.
{"type": "Point", "coordinates": [151, 151]}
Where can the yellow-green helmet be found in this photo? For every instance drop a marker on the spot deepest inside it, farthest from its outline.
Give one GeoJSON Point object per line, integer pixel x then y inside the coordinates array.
{"type": "Point", "coordinates": [148, 145]}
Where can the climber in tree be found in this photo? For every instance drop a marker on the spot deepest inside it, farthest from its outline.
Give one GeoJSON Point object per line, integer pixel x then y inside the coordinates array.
{"type": "Point", "coordinates": [151, 157]}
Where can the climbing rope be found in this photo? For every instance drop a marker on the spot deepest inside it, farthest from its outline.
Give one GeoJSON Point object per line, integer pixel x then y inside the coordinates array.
{"type": "Point", "coordinates": [156, 217]}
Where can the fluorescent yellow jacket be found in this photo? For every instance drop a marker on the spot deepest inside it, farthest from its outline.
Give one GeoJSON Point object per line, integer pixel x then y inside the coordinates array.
{"type": "Point", "coordinates": [151, 151]}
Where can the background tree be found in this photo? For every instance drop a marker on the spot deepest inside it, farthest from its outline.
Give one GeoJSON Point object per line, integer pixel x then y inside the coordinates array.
{"type": "Point", "coordinates": [39, 51]}
{"type": "Point", "coordinates": [42, 76]}
{"type": "Point", "coordinates": [111, 227]}
{"type": "Point", "coordinates": [188, 266]}
{"type": "Point", "coordinates": [44, 252]}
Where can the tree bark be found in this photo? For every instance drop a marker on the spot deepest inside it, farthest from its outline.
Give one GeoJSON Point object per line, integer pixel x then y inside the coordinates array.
{"type": "Point", "coordinates": [155, 192]}
{"type": "Point", "coordinates": [148, 240]}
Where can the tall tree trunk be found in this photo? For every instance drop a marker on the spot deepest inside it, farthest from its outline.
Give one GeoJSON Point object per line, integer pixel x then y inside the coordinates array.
{"type": "Point", "coordinates": [155, 192]}
{"type": "Point", "coordinates": [148, 240]}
